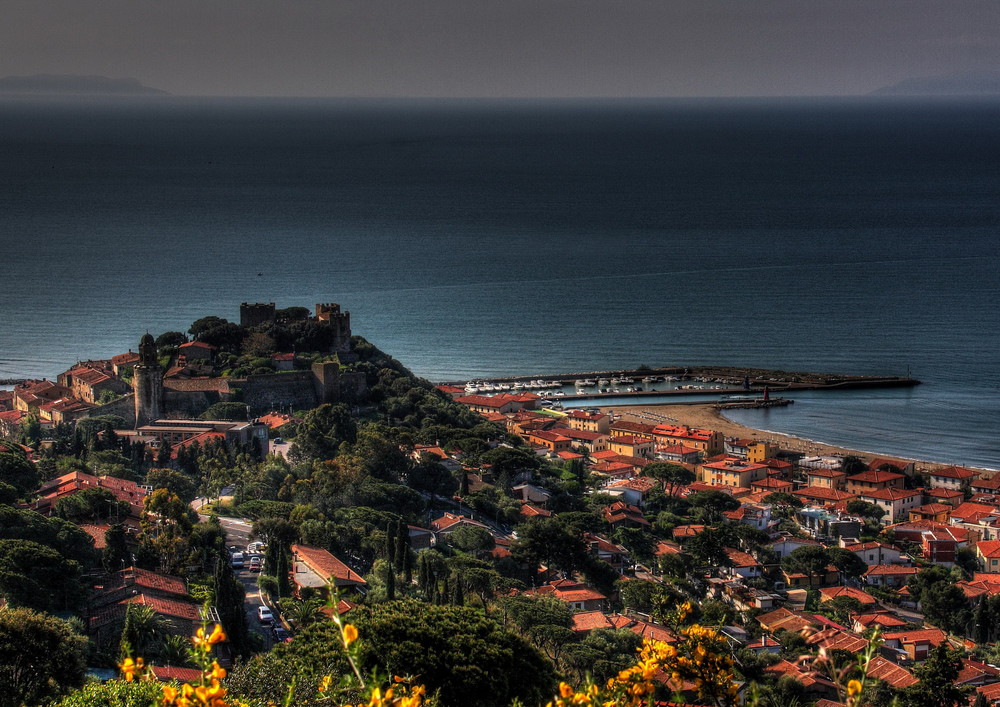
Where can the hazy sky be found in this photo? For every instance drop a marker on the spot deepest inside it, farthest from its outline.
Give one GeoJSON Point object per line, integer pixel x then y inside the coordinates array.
{"type": "Point", "coordinates": [502, 47]}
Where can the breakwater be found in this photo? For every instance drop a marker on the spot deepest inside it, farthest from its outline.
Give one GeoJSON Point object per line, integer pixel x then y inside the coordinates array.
{"type": "Point", "coordinates": [725, 380]}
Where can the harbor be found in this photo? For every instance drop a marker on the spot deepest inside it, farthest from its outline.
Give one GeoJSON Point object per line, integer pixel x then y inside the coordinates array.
{"type": "Point", "coordinates": [744, 385]}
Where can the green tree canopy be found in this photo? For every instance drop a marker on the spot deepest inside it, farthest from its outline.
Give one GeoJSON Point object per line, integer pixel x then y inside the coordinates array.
{"type": "Point", "coordinates": [41, 658]}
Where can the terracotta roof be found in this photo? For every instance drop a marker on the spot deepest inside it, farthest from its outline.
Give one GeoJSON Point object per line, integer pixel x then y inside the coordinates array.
{"type": "Point", "coordinates": [890, 494]}
{"type": "Point", "coordinates": [933, 636]}
{"type": "Point", "coordinates": [875, 477]}
{"type": "Point", "coordinates": [955, 472]}
{"type": "Point", "coordinates": [988, 548]}
{"type": "Point", "coordinates": [589, 620]}
{"type": "Point", "coordinates": [824, 494]}
{"type": "Point", "coordinates": [169, 673]}
{"type": "Point", "coordinates": [831, 593]}
{"type": "Point", "coordinates": [881, 570]}
{"type": "Point", "coordinates": [326, 565]}
{"type": "Point", "coordinates": [826, 473]}
{"type": "Point", "coordinates": [883, 669]}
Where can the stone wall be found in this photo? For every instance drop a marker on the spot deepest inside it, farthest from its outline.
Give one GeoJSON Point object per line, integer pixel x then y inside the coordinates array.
{"type": "Point", "coordinates": [123, 407]}
{"type": "Point", "coordinates": [294, 390]}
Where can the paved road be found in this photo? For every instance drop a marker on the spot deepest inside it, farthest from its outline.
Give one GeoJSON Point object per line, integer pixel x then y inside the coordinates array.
{"type": "Point", "coordinates": [238, 534]}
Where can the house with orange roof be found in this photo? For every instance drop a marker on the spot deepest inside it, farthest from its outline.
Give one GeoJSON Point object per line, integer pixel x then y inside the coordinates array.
{"type": "Point", "coordinates": [550, 440]}
{"type": "Point", "coordinates": [123, 363]}
{"type": "Point", "coordinates": [938, 512]}
{"type": "Point", "coordinates": [822, 496]}
{"type": "Point", "coordinates": [589, 421]}
{"type": "Point", "coordinates": [734, 472]}
{"type": "Point", "coordinates": [622, 515]}
{"type": "Point", "coordinates": [450, 522]}
{"type": "Point", "coordinates": [989, 486]}
{"type": "Point", "coordinates": [977, 673]}
{"type": "Point", "coordinates": [198, 351]}
{"type": "Point", "coordinates": [787, 620]}
{"type": "Point", "coordinates": [318, 569]}
{"type": "Point", "coordinates": [885, 620]}
{"type": "Point", "coordinates": [631, 428]}
{"type": "Point", "coordinates": [587, 621]}
{"type": "Point", "coordinates": [888, 575]}
{"type": "Point", "coordinates": [631, 445]}
{"type": "Point", "coordinates": [980, 518]}
{"type": "Point", "coordinates": [676, 453]}
{"type": "Point", "coordinates": [66, 485]}
{"type": "Point", "coordinates": [707, 442]}
{"type": "Point", "coordinates": [836, 639]}
{"type": "Point", "coordinates": [988, 555]}
{"type": "Point", "coordinates": [591, 441]}
{"type": "Point", "coordinates": [742, 564]}
{"type": "Point", "coordinates": [896, 502]}
{"type": "Point", "coordinates": [938, 542]}
{"type": "Point", "coordinates": [826, 478]}
{"type": "Point", "coordinates": [916, 644]}
{"type": "Point", "coordinates": [772, 484]}
{"type": "Point", "coordinates": [683, 532]}
{"type": "Point", "coordinates": [815, 684]}
{"type": "Point", "coordinates": [898, 677]}
{"type": "Point", "coordinates": [633, 491]}
{"type": "Point", "coordinates": [868, 481]}
{"type": "Point", "coordinates": [579, 596]}
{"type": "Point", "coordinates": [950, 497]}
{"type": "Point", "coordinates": [954, 478]}
{"type": "Point", "coordinates": [828, 594]}
{"type": "Point", "coordinates": [166, 595]}
{"type": "Point", "coordinates": [452, 391]}
{"type": "Point", "coordinates": [274, 420]}
{"type": "Point", "coordinates": [898, 466]}
{"type": "Point", "coordinates": [751, 514]}
{"type": "Point", "coordinates": [501, 403]}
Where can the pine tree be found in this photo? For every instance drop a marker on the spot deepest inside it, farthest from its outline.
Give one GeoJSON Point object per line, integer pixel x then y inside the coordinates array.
{"type": "Point", "coordinates": [229, 601]}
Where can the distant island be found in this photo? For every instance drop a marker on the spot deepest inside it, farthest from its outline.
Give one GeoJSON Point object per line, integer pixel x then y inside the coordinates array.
{"type": "Point", "coordinates": [76, 85]}
{"type": "Point", "coordinates": [971, 83]}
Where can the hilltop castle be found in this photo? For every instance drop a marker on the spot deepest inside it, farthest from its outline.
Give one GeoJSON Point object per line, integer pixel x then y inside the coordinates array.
{"type": "Point", "coordinates": [158, 394]}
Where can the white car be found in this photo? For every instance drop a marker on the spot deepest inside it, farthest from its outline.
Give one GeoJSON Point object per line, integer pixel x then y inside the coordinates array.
{"type": "Point", "coordinates": [264, 615]}
{"type": "Point", "coordinates": [237, 561]}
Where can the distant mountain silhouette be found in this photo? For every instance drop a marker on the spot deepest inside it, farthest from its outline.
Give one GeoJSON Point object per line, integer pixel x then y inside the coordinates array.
{"type": "Point", "coordinates": [74, 84]}
{"type": "Point", "coordinates": [974, 83]}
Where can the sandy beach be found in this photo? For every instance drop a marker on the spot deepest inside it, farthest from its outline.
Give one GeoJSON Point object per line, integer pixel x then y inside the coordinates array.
{"type": "Point", "coordinates": [708, 417]}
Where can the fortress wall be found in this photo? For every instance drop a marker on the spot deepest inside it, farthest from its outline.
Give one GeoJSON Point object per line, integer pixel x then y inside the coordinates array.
{"type": "Point", "coordinates": [294, 390]}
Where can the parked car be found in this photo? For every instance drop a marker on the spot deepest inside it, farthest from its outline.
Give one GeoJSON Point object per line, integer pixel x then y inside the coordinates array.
{"type": "Point", "coordinates": [237, 561]}
{"type": "Point", "coordinates": [264, 615]}
{"type": "Point", "coordinates": [280, 635]}
{"type": "Point", "coordinates": [256, 564]}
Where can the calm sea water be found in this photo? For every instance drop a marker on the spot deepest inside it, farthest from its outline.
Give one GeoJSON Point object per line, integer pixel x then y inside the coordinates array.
{"type": "Point", "coordinates": [485, 238]}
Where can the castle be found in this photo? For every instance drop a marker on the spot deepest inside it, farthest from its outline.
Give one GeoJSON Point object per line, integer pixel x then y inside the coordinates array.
{"type": "Point", "coordinates": [158, 395]}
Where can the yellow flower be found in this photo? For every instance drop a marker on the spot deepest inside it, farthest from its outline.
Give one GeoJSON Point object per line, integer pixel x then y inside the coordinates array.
{"type": "Point", "coordinates": [853, 688]}
{"type": "Point", "coordinates": [130, 668]}
{"type": "Point", "coordinates": [206, 642]}
{"type": "Point", "coordinates": [324, 684]}
{"type": "Point", "coordinates": [350, 634]}
{"type": "Point", "coordinates": [218, 672]}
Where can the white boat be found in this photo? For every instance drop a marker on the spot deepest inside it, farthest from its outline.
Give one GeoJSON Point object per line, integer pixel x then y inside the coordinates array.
{"type": "Point", "coordinates": [603, 381]}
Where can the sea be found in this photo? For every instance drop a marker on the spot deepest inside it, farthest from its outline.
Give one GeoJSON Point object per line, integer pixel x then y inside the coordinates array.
{"type": "Point", "coordinates": [478, 238]}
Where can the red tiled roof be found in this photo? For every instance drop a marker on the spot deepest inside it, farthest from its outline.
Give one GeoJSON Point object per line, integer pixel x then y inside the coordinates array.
{"type": "Point", "coordinates": [955, 472]}
{"type": "Point", "coordinates": [883, 669]}
{"type": "Point", "coordinates": [882, 570]}
{"type": "Point", "coordinates": [889, 494]}
{"type": "Point", "coordinates": [589, 620]}
{"type": "Point", "coordinates": [831, 593]}
{"type": "Point", "coordinates": [325, 564]}
{"type": "Point", "coordinates": [875, 477]}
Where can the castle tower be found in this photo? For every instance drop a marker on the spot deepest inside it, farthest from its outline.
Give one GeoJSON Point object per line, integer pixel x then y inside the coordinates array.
{"type": "Point", "coordinates": [341, 324]}
{"type": "Point", "coordinates": [252, 315]}
{"type": "Point", "coordinates": [147, 382]}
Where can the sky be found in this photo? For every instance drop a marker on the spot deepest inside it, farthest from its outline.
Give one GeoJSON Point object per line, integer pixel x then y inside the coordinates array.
{"type": "Point", "coordinates": [502, 48]}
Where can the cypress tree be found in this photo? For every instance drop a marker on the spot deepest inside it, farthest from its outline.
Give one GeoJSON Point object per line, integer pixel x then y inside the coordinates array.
{"type": "Point", "coordinates": [390, 582]}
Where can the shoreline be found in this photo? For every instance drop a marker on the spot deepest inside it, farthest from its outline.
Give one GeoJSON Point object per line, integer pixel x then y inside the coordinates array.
{"type": "Point", "coordinates": [705, 415]}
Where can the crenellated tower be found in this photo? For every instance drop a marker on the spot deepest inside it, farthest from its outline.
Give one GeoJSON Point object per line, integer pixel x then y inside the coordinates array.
{"type": "Point", "coordinates": [147, 383]}
{"type": "Point", "coordinates": [340, 322]}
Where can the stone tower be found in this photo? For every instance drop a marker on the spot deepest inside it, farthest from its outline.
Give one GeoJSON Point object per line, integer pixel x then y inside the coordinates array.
{"type": "Point", "coordinates": [341, 324]}
{"type": "Point", "coordinates": [252, 315]}
{"type": "Point", "coordinates": [147, 382]}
